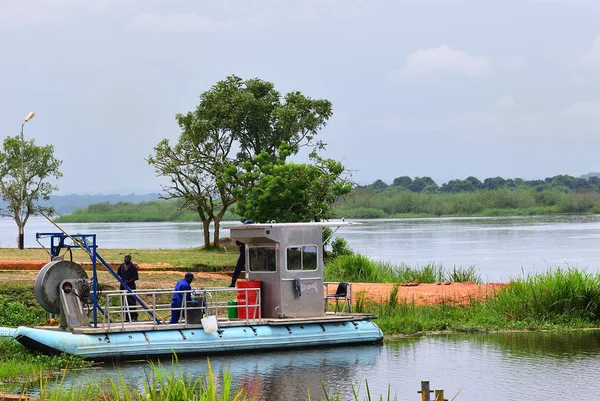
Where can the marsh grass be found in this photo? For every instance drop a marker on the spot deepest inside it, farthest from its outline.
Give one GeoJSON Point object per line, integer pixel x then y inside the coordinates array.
{"type": "Point", "coordinates": [355, 393]}
{"type": "Point", "coordinates": [462, 275]}
{"type": "Point", "coordinates": [556, 299]}
{"type": "Point", "coordinates": [558, 295]}
{"type": "Point", "coordinates": [359, 268]}
{"type": "Point", "coordinates": [161, 384]}
{"type": "Point", "coordinates": [18, 363]}
{"type": "Point", "coordinates": [166, 385]}
{"type": "Point", "coordinates": [360, 302]}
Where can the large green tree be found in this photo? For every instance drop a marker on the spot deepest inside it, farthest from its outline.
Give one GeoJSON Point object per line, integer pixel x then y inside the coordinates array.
{"type": "Point", "coordinates": [25, 171]}
{"type": "Point", "coordinates": [235, 121]}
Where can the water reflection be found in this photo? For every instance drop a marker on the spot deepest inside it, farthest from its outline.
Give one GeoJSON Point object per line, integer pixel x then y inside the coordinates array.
{"type": "Point", "coordinates": [504, 366]}
{"type": "Point", "coordinates": [553, 348]}
{"type": "Point", "coordinates": [281, 375]}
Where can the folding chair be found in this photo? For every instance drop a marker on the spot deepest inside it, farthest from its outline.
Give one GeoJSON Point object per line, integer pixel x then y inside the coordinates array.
{"type": "Point", "coordinates": [340, 293]}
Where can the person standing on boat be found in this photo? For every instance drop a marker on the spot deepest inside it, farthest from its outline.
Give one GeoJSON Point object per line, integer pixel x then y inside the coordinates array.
{"type": "Point", "coordinates": [177, 300]}
{"type": "Point", "coordinates": [128, 272]}
{"type": "Point", "coordinates": [241, 262]}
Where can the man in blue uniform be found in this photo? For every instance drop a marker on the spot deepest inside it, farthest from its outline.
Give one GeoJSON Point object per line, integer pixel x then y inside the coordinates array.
{"type": "Point", "coordinates": [177, 301]}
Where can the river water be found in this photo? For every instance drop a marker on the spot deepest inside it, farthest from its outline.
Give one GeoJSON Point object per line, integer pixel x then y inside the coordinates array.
{"type": "Point", "coordinates": [507, 366]}
{"type": "Point", "coordinates": [493, 367]}
{"type": "Point", "coordinates": [499, 248]}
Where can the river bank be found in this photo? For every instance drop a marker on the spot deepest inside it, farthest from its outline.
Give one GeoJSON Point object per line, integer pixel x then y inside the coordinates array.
{"type": "Point", "coordinates": [152, 275]}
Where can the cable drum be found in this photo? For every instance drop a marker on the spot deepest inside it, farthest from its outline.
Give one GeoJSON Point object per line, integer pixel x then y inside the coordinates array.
{"type": "Point", "coordinates": [49, 278]}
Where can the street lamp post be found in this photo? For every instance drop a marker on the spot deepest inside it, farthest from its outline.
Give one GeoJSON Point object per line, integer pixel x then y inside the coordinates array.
{"type": "Point", "coordinates": [23, 184]}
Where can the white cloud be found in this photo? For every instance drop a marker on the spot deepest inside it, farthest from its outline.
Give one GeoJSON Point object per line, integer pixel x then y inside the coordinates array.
{"type": "Point", "coordinates": [577, 121]}
{"type": "Point", "coordinates": [177, 23]}
{"type": "Point", "coordinates": [506, 120]}
{"type": "Point", "coordinates": [506, 103]}
{"type": "Point", "coordinates": [25, 14]}
{"type": "Point", "coordinates": [512, 64]}
{"type": "Point", "coordinates": [444, 60]}
{"type": "Point", "coordinates": [584, 109]}
{"type": "Point", "coordinates": [592, 55]}
{"type": "Point", "coordinates": [191, 22]}
{"type": "Point", "coordinates": [569, 2]}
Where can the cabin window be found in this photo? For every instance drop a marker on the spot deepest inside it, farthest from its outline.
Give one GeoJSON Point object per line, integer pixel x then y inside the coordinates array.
{"type": "Point", "coordinates": [302, 258]}
{"type": "Point", "coordinates": [262, 259]}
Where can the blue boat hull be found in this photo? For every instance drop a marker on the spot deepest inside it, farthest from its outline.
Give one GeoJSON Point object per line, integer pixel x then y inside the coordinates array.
{"type": "Point", "coordinates": [134, 344]}
{"type": "Point", "coordinates": [7, 332]}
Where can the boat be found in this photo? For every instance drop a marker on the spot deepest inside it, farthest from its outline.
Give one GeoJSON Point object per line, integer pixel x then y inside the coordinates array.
{"type": "Point", "coordinates": [282, 303]}
{"type": "Point", "coordinates": [7, 332]}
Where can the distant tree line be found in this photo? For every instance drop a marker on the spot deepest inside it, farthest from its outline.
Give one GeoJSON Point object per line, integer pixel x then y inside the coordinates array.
{"type": "Point", "coordinates": [497, 196]}
{"type": "Point", "coordinates": [587, 183]}
{"type": "Point", "coordinates": [406, 197]}
{"type": "Point", "coordinates": [152, 211]}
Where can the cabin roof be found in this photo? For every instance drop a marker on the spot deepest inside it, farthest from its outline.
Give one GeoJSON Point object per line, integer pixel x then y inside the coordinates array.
{"type": "Point", "coordinates": [294, 225]}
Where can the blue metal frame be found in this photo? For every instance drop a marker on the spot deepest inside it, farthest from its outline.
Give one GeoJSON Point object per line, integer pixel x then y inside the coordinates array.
{"type": "Point", "coordinates": [87, 242]}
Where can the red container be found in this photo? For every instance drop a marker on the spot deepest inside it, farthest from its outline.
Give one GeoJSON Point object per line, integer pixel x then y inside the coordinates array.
{"type": "Point", "coordinates": [242, 302]}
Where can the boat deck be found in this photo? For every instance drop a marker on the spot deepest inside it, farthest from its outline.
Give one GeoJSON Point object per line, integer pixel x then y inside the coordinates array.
{"type": "Point", "coordinates": [120, 327]}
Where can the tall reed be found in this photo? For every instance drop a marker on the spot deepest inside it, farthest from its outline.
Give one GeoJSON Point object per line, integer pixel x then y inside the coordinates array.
{"type": "Point", "coordinates": [558, 298]}
{"type": "Point", "coordinates": [359, 268]}
{"type": "Point", "coordinates": [160, 385]}
{"type": "Point", "coordinates": [558, 294]}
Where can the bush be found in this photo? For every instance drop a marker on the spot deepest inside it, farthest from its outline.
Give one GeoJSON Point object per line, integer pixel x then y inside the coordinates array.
{"type": "Point", "coordinates": [361, 213]}
{"type": "Point", "coordinates": [339, 247]}
{"type": "Point", "coordinates": [14, 313]}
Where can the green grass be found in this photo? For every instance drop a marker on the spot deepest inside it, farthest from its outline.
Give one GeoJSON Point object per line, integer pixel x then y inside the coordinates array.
{"type": "Point", "coordinates": [359, 268]}
{"type": "Point", "coordinates": [18, 363]}
{"type": "Point", "coordinates": [462, 275]}
{"type": "Point", "coordinates": [564, 295]}
{"type": "Point", "coordinates": [165, 385]}
{"type": "Point", "coordinates": [160, 385]}
{"type": "Point", "coordinates": [189, 258]}
{"type": "Point", "coordinates": [15, 313]}
{"type": "Point", "coordinates": [556, 299]}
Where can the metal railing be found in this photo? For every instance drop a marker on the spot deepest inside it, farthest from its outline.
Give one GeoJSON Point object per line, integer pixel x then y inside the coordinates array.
{"type": "Point", "coordinates": [201, 303]}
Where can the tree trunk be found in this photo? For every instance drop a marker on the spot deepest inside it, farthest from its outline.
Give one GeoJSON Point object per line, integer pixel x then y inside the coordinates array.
{"type": "Point", "coordinates": [217, 222]}
{"type": "Point", "coordinates": [206, 229]}
{"type": "Point", "coordinates": [21, 233]}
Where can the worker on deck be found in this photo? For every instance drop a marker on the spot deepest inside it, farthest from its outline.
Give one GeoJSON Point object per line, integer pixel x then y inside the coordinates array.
{"type": "Point", "coordinates": [177, 300]}
{"type": "Point", "coordinates": [128, 272]}
{"type": "Point", "coordinates": [241, 262]}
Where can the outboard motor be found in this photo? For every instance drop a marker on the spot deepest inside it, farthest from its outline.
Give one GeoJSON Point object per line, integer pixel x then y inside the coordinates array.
{"type": "Point", "coordinates": [62, 287]}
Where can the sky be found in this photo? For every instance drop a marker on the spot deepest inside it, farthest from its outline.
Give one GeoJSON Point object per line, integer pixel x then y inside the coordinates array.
{"type": "Point", "coordinates": [445, 89]}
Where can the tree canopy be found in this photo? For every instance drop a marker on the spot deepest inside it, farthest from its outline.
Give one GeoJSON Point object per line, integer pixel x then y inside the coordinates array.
{"type": "Point", "coordinates": [25, 171]}
{"type": "Point", "coordinates": [235, 122]}
{"type": "Point", "coordinates": [586, 183]}
{"type": "Point", "coordinates": [281, 191]}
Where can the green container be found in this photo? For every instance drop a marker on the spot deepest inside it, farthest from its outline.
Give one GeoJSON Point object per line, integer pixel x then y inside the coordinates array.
{"type": "Point", "coordinates": [232, 312]}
